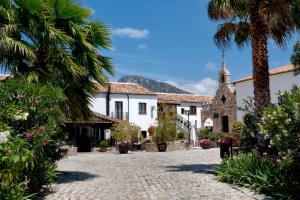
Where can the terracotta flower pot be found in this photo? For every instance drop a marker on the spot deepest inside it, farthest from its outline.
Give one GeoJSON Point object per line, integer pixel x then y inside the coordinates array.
{"type": "Point", "coordinates": [102, 149]}
{"type": "Point", "coordinates": [205, 143]}
{"type": "Point", "coordinates": [123, 148]}
{"type": "Point", "coordinates": [162, 147]}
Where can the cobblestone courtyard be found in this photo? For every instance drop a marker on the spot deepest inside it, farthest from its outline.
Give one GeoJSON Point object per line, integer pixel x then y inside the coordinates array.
{"type": "Point", "coordinates": [142, 175]}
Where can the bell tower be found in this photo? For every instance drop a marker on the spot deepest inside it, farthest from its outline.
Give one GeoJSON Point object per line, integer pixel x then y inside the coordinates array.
{"type": "Point", "coordinates": [224, 74]}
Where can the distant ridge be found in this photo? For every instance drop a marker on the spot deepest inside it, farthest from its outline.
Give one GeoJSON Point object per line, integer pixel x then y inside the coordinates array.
{"type": "Point", "coordinates": [152, 85]}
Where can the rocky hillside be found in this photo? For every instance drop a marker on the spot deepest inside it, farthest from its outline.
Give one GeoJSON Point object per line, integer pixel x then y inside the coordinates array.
{"type": "Point", "coordinates": [152, 85]}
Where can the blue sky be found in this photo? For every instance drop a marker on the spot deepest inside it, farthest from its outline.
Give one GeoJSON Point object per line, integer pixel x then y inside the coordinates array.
{"type": "Point", "coordinates": [172, 41]}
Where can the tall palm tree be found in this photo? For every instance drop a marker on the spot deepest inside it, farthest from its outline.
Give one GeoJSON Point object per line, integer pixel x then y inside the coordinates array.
{"type": "Point", "coordinates": [55, 42]}
{"type": "Point", "coordinates": [255, 21]}
{"type": "Point", "coordinates": [295, 59]}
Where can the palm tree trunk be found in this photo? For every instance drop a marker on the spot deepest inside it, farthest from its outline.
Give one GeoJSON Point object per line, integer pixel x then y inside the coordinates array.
{"type": "Point", "coordinates": [261, 81]}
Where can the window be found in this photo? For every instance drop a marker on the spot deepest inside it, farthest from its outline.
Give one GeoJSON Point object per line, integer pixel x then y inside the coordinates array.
{"type": "Point", "coordinates": [119, 109]}
{"type": "Point", "coordinates": [142, 108]}
{"type": "Point", "coordinates": [222, 78]}
{"type": "Point", "coordinates": [152, 111]}
{"type": "Point", "coordinates": [216, 115]}
{"type": "Point", "coordinates": [182, 111]}
{"type": "Point", "coordinates": [193, 110]}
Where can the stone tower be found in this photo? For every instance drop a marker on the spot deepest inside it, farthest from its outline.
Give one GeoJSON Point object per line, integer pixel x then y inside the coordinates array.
{"type": "Point", "coordinates": [224, 75]}
{"type": "Point", "coordinates": [222, 110]}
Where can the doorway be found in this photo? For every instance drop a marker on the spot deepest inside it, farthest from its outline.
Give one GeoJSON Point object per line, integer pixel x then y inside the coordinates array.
{"type": "Point", "coordinates": [225, 124]}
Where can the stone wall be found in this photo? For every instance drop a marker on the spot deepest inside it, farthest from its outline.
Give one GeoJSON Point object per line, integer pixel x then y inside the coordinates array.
{"type": "Point", "coordinates": [223, 104]}
{"type": "Point", "coordinates": [151, 147]}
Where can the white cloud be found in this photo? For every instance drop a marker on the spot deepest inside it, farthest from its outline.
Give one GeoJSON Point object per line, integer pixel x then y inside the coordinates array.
{"type": "Point", "coordinates": [206, 86]}
{"type": "Point", "coordinates": [131, 33]}
{"type": "Point", "coordinates": [142, 46]}
{"type": "Point", "coordinates": [211, 66]}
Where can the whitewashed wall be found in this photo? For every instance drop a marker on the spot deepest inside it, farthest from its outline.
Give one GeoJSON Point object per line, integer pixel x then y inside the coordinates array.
{"type": "Point", "coordinates": [278, 82]}
{"type": "Point", "coordinates": [143, 121]}
{"type": "Point", "coordinates": [193, 118]}
{"type": "Point", "coordinates": [99, 103]}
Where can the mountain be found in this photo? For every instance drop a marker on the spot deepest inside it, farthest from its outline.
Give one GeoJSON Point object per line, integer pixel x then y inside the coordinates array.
{"type": "Point", "coordinates": [152, 85]}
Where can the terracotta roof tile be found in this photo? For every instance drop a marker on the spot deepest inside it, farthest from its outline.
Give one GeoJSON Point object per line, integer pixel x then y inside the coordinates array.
{"type": "Point", "coordinates": [3, 77]}
{"type": "Point", "coordinates": [172, 98]}
{"type": "Point", "coordinates": [125, 88]}
{"type": "Point", "coordinates": [274, 71]}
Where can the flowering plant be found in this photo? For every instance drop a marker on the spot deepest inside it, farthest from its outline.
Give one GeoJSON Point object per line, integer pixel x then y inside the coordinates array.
{"type": "Point", "coordinates": [281, 124]}
{"type": "Point", "coordinates": [31, 146]}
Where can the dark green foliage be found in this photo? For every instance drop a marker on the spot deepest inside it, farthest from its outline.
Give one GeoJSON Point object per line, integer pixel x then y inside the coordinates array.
{"type": "Point", "coordinates": [165, 130]}
{"type": "Point", "coordinates": [281, 125]}
{"type": "Point", "coordinates": [40, 130]}
{"type": "Point", "coordinates": [258, 173]}
{"type": "Point", "coordinates": [248, 133]}
{"type": "Point", "coordinates": [56, 42]}
{"type": "Point", "coordinates": [295, 59]}
{"type": "Point", "coordinates": [103, 144]}
{"type": "Point", "coordinates": [15, 159]}
{"type": "Point", "coordinates": [247, 138]}
{"type": "Point", "coordinates": [180, 135]}
{"type": "Point", "coordinates": [209, 134]}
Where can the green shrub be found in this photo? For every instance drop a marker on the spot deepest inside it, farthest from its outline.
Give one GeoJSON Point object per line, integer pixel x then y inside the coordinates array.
{"type": "Point", "coordinates": [180, 135]}
{"type": "Point", "coordinates": [247, 132]}
{"type": "Point", "coordinates": [259, 173]}
{"type": "Point", "coordinates": [34, 113]}
{"type": "Point", "coordinates": [281, 124]}
{"type": "Point", "coordinates": [103, 144]}
{"type": "Point", "coordinates": [203, 133]}
{"type": "Point", "coordinates": [15, 159]}
{"type": "Point", "coordinates": [165, 130]}
{"type": "Point", "coordinates": [124, 132]}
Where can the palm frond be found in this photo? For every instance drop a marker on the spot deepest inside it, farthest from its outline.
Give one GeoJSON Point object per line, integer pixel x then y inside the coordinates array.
{"type": "Point", "coordinates": [98, 34]}
{"type": "Point", "coordinates": [224, 35]}
{"type": "Point", "coordinates": [70, 9]}
{"type": "Point", "coordinates": [17, 47]}
{"type": "Point", "coordinates": [228, 9]}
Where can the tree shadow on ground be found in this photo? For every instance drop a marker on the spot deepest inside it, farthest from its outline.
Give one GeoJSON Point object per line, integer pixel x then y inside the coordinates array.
{"type": "Point", "coordinates": [65, 177]}
{"type": "Point", "coordinates": [71, 176]}
{"type": "Point", "coordinates": [195, 168]}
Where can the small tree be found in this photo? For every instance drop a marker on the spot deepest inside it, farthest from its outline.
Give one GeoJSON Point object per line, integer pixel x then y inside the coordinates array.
{"type": "Point", "coordinates": [165, 130]}
{"type": "Point", "coordinates": [295, 59]}
{"type": "Point", "coordinates": [124, 132]}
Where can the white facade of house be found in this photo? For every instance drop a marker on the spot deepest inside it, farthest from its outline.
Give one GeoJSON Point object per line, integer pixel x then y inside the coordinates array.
{"type": "Point", "coordinates": [195, 119]}
{"type": "Point", "coordinates": [130, 104]}
{"type": "Point", "coordinates": [278, 82]}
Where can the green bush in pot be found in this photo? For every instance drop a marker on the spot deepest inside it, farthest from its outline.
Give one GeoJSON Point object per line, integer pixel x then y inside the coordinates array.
{"type": "Point", "coordinates": [103, 146]}
{"type": "Point", "coordinates": [165, 132]}
{"type": "Point", "coordinates": [124, 132]}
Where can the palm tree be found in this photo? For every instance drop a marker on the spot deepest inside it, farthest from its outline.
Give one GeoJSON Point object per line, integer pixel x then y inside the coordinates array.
{"type": "Point", "coordinates": [255, 21]}
{"type": "Point", "coordinates": [295, 59]}
{"type": "Point", "coordinates": [56, 42]}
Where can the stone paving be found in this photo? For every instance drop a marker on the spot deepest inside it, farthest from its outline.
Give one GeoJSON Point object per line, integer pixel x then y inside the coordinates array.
{"type": "Point", "coordinates": [142, 175]}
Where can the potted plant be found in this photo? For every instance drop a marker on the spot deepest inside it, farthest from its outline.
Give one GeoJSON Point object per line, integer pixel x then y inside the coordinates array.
{"type": "Point", "coordinates": [103, 146]}
{"type": "Point", "coordinates": [180, 135]}
{"type": "Point", "coordinates": [165, 132]}
{"type": "Point", "coordinates": [205, 143]}
{"type": "Point", "coordinates": [124, 132]}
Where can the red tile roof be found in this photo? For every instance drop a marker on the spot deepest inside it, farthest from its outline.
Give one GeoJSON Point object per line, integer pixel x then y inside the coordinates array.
{"type": "Point", "coordinates": [274, 71]}
{"type": "Point", "coordinates": [3, 77]}
{"type": "Point", "coordinates": [172, 98]}
{"type": "Point", "coordinates": [125, 88]}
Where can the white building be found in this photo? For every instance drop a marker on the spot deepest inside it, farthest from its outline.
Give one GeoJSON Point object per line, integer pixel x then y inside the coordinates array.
{"type": "Point", "coordinates": [180, 103]}
{"type": "Point", "coordinates": [281, 78]}
{"type": "Point", "coordinates": [127, 101]}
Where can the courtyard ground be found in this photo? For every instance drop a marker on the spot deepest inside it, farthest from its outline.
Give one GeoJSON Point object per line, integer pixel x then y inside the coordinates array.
{"type": "Point", "coordinates": [143, 175]}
